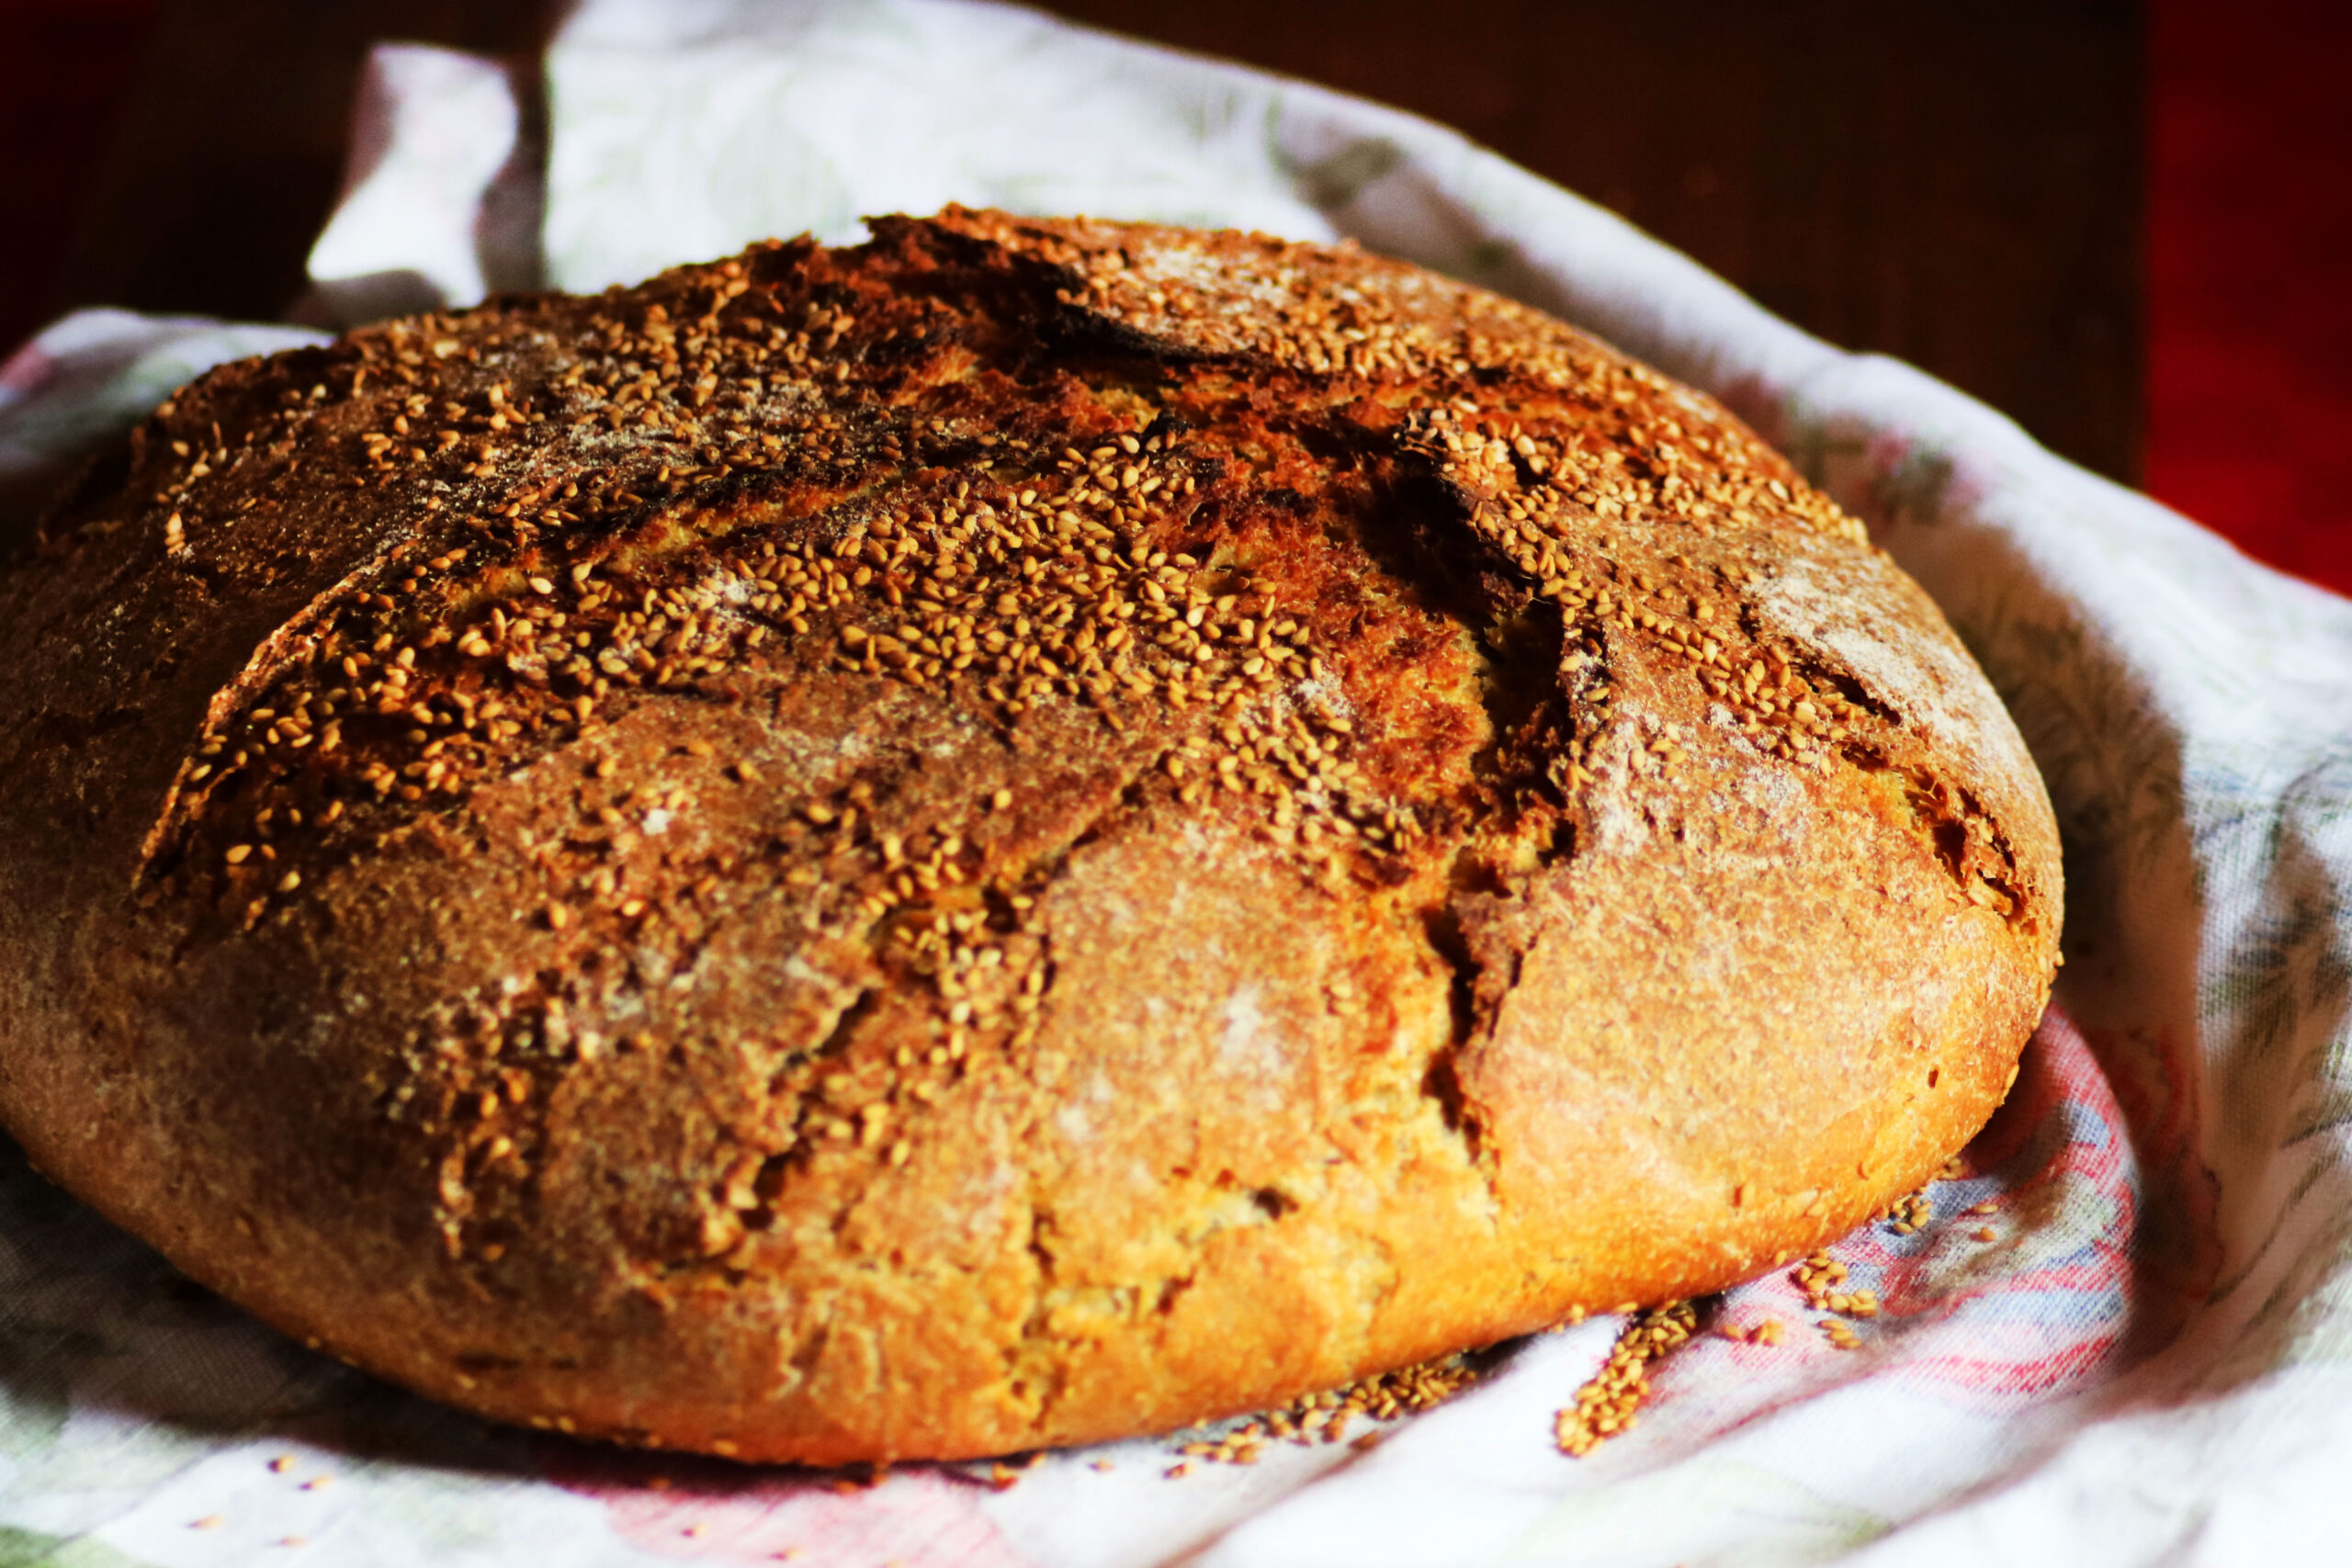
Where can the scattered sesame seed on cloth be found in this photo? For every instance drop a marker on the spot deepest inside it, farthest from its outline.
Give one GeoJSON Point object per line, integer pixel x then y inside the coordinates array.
{"type": "Point", "coordinates": [2113, 1331]}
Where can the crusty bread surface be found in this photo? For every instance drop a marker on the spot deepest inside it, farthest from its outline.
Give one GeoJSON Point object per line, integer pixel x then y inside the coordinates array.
{"type": "Point", "coordinates": [1028, 832]}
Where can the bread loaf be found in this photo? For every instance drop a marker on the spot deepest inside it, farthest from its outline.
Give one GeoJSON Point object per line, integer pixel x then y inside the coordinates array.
{"type": "Point", "coordinates": [1028, 832]}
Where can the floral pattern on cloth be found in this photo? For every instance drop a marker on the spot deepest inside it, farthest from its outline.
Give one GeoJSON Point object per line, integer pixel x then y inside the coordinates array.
{"type": "Point", "coordinates": [2121, 1335]}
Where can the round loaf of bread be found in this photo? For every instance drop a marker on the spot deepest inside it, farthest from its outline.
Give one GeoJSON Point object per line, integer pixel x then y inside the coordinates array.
{"type": "Point", "coordinates": [1029, 832]}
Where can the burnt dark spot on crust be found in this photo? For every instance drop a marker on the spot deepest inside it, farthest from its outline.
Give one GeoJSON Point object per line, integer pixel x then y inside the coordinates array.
{"type": "Point", "coordinates": [1273, 1202]}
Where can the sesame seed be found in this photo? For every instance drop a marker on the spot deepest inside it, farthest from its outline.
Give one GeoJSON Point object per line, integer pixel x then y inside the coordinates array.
{"type": "Point", "coordinates": [1611, 1398]}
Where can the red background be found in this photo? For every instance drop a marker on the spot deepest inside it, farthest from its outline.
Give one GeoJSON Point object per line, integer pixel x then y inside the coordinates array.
{"type": "Point", "coordinates": [2249, 278]}
{"type": "Point", "coordinates": [2245, 316]}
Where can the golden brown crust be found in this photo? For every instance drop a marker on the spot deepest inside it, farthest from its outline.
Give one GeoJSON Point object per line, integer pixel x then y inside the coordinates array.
{"type": "Point", "coordinates": [1031, 831]}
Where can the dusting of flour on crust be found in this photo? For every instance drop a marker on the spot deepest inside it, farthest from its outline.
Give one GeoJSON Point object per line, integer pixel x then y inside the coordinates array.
{"type": "Point", "coordinates": [1928, 681]}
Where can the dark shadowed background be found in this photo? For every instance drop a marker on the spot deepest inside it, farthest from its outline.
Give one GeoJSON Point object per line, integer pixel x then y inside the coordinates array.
{"type": "Point", "coordinates": [2128, 226]}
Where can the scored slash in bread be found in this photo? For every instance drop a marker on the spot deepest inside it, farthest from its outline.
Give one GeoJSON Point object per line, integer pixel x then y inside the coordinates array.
{"type": "Point", "coordinates": [1029, 832]}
